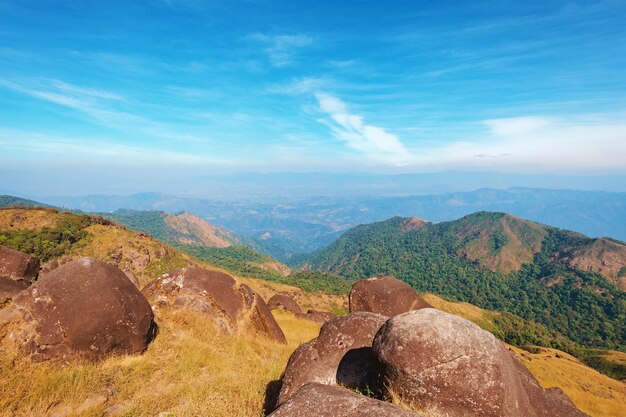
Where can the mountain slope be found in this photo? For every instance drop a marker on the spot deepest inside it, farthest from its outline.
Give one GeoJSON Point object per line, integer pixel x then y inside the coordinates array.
{"type": "Point", "coordinates": [495, 261]}
{"type": "Point", "coordinates": [205, 241]}
{"type": "Point", "coordinates": [11, 201]}
{"type": "Point", "coordinates": [184, 228]}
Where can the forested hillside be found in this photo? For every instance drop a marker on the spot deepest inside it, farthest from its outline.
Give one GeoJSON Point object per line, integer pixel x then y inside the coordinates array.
{"type": "Point", "coordinates": [495, 261]}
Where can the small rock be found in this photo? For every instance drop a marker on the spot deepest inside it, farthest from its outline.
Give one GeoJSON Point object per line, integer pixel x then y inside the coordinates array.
{"type": "Point", "coordinates": [94, 400]}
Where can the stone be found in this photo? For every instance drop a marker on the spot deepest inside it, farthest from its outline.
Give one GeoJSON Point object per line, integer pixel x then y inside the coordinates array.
{"type": "Point", "coordinates": [85, 308]}
{"type": "Point", "coordinates": [233, 307]}
{"type": "Point", "coordinates": [318, 400]}
{"type": "Point", "coordinates": [17, 265]}
{"type": "Point", "coordinates": [284, 302]}
{"type": "Point", "coordinates": [9, 289]}
{"type": "Point", "coordinates": [385, 295]}
{"type": "Point", "coordinates": [445, 366]}
{"type": "Point", "coordinates": [319, 317]}
{"type": "Point", "coordinates": [93, 401]}
{"type": "Point", "coordinates": [341, 354]}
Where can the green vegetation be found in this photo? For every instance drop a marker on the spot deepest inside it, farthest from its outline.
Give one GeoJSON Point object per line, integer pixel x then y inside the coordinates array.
{"type": "Point", "coordinates": [323, 281]}
{"type": "Point", "coordinates": [579, 304]}
{"type": "Point", "coordinates": [601, 363]}
{"type": "Point", "coordinates": [50, 242]}
{"type": "Point", "coordinates": [151, 222]}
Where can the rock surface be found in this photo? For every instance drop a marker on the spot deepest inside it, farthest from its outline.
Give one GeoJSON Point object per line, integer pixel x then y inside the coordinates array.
{"type": "Point", "coordinates": [385, 295]}
{"type": "Point", "coordinates": [446, 366]}
{"type": "Point", "coordinates": [86, 309]}
{"type": "Point", "coordinates": [340, 354]}
{"type": "Point", "coordinates": [17, 265]}
{"type": "Point", "coordinates": [284, 302]}
{"type": "Point", "coordinates": [317, 400]}
{"type": "Point", "coordinates": [9, 288]}
{"type": "Point", "coordinates": [233, 306]}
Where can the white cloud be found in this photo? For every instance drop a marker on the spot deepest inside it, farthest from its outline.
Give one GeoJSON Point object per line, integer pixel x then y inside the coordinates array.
{"type": "Point", "coordinates": [373, 141]}
{"type": "Point", "coordinates": [542, 144]}
{"type": "Point", "coordinates": [281, 48]}
{"type": "Point", "coordinates": [518, 125]}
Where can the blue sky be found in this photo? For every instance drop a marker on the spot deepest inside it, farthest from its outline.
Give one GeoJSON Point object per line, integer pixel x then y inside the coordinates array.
{"type": "Point", "coordinates": [160, 87]}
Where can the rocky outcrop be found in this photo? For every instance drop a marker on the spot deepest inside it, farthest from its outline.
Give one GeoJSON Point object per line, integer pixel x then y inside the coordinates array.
{"type": "Point", "coordinates": [17, 265]}
{"type": "Point", "coordinates": [341, 354]}
{"type": "Point", "coordinates": [317, 400]}
{"type": "Point", "coordinates": [83, 309]}
{"type": "Point", "coordinates": [232, 306]}
{"type": "Point", "coordinates": [284, 302]}
{"type": "Point", "coordinates": [446, 366]}
{"type": "Point", "coordinates": [385, 295]}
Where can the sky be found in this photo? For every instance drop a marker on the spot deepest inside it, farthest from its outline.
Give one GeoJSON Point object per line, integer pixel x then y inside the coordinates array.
{"type": "Point", "coordinates": [94, 92]}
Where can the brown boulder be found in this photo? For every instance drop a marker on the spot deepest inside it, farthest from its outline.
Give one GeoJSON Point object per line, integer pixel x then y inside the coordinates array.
{"type": "Point", "coordinates": [232, 306]}
{"type": "Point", "coordinates": [385, 295]}
{"type": "Point", "coordinates": [341, 354]}
{"type": "Point", "coordinates": [284, 302]}
{"type": "Point", "coordinates": [319, 317]}
{"type": "Point", "coordinates": [87, 309]}
{"type": "Point", "coordinates": [17, 265]}
{"type": "Point", "coordinates": [443, 365]}
{"type": "Point", "coordinates": [9, 289]}
{"type": "Point", "coordinates": [317, 400]}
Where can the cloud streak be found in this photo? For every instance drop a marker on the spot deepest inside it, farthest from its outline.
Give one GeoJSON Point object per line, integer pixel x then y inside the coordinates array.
{"type": "Point", "coordinates": [373, 141]}
{"type": "Point", "coordinates": [282, 48]}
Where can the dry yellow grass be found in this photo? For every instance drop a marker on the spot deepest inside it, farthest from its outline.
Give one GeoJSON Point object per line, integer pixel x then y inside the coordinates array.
{"type": "Point", "coordinates": [189, 370]}
{"type": "Point", "coordinates": [27, 219]}
{"type": "Point", "coordinates": [591, 391]}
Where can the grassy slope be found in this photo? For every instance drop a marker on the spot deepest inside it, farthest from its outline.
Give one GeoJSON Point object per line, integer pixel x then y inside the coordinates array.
{"type": "Point", "coordinates": [189, 370]}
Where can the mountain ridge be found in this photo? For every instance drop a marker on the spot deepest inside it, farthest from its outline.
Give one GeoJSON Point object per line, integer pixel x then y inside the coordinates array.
{"type": "Point", "coordinates": [495, 261]}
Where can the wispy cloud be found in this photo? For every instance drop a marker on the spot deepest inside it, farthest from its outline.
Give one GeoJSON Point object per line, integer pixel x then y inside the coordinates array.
{"type": "Point", "coordinates": [99, 106]}
{"type": "Point", "coordinates": [517, 125]}
{"type": "Point", "coordinates": [373, 141]}
{"type": "Point", "coordinates": [281, 49]}
{"type": "Point", "coordinates": [300, 86]}
{"type": "Point", "coordinates": [91, 149]}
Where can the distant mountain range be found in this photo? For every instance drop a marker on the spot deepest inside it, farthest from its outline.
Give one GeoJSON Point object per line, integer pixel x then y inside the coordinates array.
{"type": "Point", "coordinates": [569, 282]}
{"type": "Point", "coordinates": [294, 226]}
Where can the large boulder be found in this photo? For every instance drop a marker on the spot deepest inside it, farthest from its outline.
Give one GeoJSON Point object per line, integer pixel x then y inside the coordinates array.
{"type": "Point", "coordinates": [284, 302]}
{"type": "Point", "coordinates": [317, 400]}
{"type": "Point", "coordinates": [17, 265]}
{"type": "Point", "coordinates": [232, 306]}
{"type": "Point", "coordinates": [341, 354]}
{"type": "Point", "coordinates": [384, 295]}
{"type": "Point", "coordinates": [87, 309]}
{"type": "Point", "coordinates": [446, 366]}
